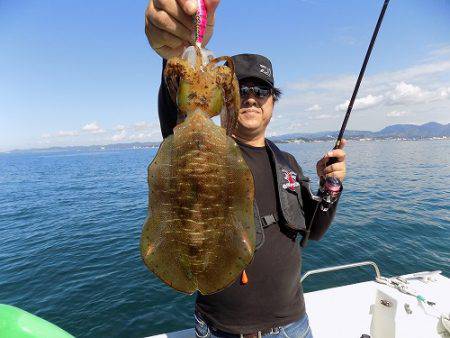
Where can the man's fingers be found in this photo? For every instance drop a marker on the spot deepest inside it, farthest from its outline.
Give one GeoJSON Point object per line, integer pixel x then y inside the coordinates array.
{"type": "Point", "coordinates": [338, 174]}
{"type": "Point", "coordinates": [335, 167]}
{"type": "Point", "coordinates": [168, 27]}
{"type": "Point", "coordinates": [337, 153]}
{"type": "Point", "coordinates": [168, 52]}
{"type": "Point", "coordinates": [320, 166]}
{"type": "Point", "coordinates": [160, 38]}
{"type": "Point", "coordinates": [174, 10]}
{"type": "Point", "coordinates": [189, 6]}
{"type": "Point", "coordinates": [165, 22]}
{"type": "Point", "coordinates": [211, 6]}
{"type": "Point", "coordinates": [168, 21]}
{"type": "Point", "coordinates": [342, 143]}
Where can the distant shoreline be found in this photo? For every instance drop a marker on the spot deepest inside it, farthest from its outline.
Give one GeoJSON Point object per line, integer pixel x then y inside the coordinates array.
{"type": "Point", "coordinates": [398, 132]}
{"type": "Point", "coordinates": [362, 139]}
{"type": "Point", "coordinates": [155, 145]}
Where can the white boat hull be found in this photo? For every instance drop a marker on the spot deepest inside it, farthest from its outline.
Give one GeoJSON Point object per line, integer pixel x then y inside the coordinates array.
{"type": "Point", "coordinates": [374, 309]}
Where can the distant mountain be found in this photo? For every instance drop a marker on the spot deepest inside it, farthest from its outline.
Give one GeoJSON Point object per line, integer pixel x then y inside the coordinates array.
{"type": "Point", "coordinates": [396, 131]}
{"type": "Point", "coordinates": [431, 129]}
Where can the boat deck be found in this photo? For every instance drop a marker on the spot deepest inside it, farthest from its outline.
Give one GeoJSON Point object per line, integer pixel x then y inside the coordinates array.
{"type": "Point", "coordinates": [375, 309]}
{"type": "Point", "coordinates": [354, 310]}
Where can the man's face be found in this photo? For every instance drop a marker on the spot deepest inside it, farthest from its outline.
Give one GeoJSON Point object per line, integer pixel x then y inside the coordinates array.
{"type": "Point", "coordinates": [255, 112]}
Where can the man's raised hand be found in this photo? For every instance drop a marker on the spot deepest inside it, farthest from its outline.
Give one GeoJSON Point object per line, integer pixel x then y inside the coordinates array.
{"type": "Point", "coordinates": [169, 25]}
{"type": "Point", "coordinates": [337, 169]}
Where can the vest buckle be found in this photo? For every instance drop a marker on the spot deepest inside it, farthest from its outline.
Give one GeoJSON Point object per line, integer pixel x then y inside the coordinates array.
{"type": "Point", "coordinates": [269, 220]}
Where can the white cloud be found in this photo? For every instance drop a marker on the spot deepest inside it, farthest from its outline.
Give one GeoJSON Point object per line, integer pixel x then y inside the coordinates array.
{"type": "Point", "coordinates": [139, 136]}
{"type": "Point", "coordinates": [296, 126]}
{"type": "Point", "coordinates": [444, 92]}
{"type": "Point", "coordinates": [396, 113]}
{"type": "Point", "coordinates": [418, 71]}
{"type": "Point", "coordinates": [419, 93]}
{"type": "Point", "coordinates": [140, 126]}
{"type": "Point", "coordinates": [93, 128]}
{"type": "Point", "coordinates": [44, 142]}
{"type": "Point", "coordinates": [119, 136]}
{"type": "Point", "coordinates": [362, 103]}
{"type": "Point", "coordinates": [66, 133]}
{"type": "Point", "coordinates": [315, 107]}
{"type": "Point", "coordinates": [440, 51]}
{"type": "Point", "coordinates": [347, 82]}
{"type": "Point", "coordinates": [406, 93]}
{"type": "Point", "coordinates": [322, 117]}
{"type": "Point", "coordinates": [344, 82]}
{"type": "Point", "coordinates": [92, 133]}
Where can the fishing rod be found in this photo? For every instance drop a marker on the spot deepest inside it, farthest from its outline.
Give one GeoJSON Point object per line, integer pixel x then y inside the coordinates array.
{"type": "Point", "coordinates": [331, 186]}
{"type": "Point", "coordinates": [361, 75]}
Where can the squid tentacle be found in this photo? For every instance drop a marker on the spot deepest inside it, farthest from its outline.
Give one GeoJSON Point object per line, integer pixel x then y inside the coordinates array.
{"type": "Point", "coordinates": [199, 58]}
{"type": "Point", "coordinates": [230, 87]}
{"type": "Point", "coordinates": [174, 71]}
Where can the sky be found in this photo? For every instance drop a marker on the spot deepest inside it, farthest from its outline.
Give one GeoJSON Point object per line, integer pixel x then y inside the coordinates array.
{"type": "Point", "coordinates": [83, 73]}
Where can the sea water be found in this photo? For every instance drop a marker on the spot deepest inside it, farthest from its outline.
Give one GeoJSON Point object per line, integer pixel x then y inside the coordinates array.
{"type": "Point", "coordinates": [70, 224]}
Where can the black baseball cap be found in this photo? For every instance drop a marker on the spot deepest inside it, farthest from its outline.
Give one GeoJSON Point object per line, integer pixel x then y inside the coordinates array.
{"type": "Point", "coordinates": [253, 66]}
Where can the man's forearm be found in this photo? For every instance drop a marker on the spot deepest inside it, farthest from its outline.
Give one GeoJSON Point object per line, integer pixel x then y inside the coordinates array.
{"type": "Point", "coordinates": [322, 222]}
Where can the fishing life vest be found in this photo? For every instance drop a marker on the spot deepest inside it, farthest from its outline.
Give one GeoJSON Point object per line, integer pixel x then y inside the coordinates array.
{"type": "Point", "coordinates": [289, 183]}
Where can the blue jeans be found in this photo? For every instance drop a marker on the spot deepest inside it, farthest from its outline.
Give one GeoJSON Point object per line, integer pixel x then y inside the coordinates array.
{"type": "Point", "coordinates": [298, 329]}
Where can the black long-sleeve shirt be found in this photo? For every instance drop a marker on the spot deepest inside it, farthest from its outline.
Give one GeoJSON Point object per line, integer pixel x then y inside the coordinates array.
{"type": "Point", "coordinates": [273, 296]}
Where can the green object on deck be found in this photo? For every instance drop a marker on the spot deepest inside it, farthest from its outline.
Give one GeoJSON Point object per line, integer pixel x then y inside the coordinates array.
{"type": "Point", "coordinates": [17, 323]}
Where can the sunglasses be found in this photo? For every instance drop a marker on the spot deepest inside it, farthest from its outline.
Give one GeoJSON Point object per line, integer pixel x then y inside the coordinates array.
{"type": "Point", "coordinates": [258, 91]}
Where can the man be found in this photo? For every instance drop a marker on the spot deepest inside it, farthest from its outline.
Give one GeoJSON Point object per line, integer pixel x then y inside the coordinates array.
{"type": "Point", "coordinates": [271, 303]}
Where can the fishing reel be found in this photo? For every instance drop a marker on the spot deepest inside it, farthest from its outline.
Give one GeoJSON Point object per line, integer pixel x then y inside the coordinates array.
{"type": "Point", "coordinates": [330, 187]}
{"type": "Point", "coordinates": [329, 192]}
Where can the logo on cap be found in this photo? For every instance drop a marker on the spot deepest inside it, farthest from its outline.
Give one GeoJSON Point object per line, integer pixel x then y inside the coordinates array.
{"type": "Point", "coordinates": [265, 70]}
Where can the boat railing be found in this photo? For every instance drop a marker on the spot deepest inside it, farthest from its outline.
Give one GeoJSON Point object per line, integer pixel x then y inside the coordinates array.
{"type": "Point", "coordinates": [343, 267]}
